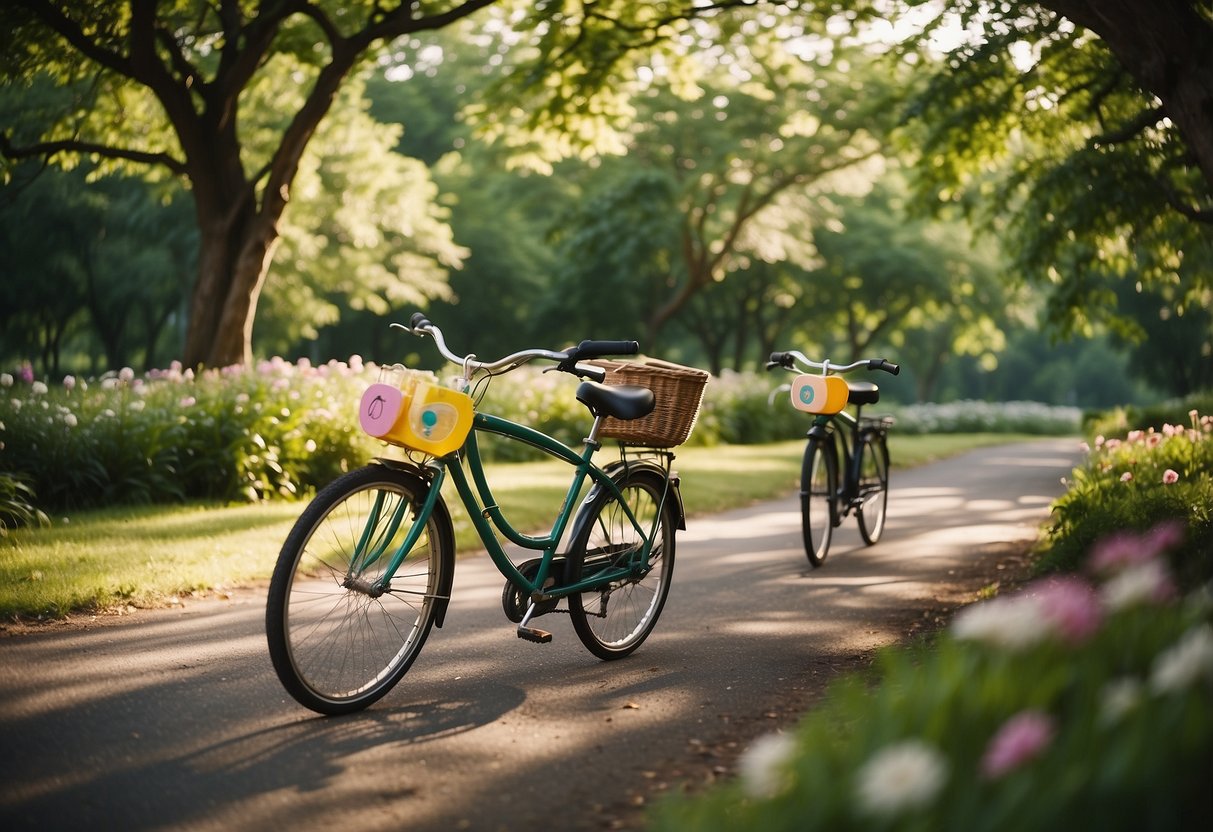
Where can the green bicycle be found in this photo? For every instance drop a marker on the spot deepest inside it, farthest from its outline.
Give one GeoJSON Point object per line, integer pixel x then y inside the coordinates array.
{"type": "Point", "coordinates": [367, 569]}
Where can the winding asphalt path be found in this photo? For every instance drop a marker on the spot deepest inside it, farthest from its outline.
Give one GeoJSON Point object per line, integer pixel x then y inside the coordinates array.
{"type": "Point", "coordinates": [173, 719]}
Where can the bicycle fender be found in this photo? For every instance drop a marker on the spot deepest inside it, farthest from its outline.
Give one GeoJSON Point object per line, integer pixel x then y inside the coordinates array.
{"type": "Point", "coordinates": [617, 470]}
{"type": "Point", "coordinates": [442, 517]}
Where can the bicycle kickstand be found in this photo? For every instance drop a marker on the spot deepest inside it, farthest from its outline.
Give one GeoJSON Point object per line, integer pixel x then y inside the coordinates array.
{"type": "Point", "coordinates": [532, 633]}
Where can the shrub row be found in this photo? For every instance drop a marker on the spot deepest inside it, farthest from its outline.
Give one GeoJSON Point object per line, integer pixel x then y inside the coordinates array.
{"type": "Point", "coordinates": [281, 429]}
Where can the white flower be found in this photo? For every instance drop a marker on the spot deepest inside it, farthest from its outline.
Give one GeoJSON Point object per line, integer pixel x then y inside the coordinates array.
{"type": "Point", "coordinates": [38, 388]}
{"type": "Point", "coordinates": [1190, 660]}
{"type": "Point", "coordinates": [903, 776]}
{"type": "Point", "coordinates": [1147, 582]}
{"type": "Point", "coordinates": [126, 374]}
{"type": "Point", "coordinates": [1117, 698]}
{"type": "Point", "coordinates": [6, 380]}
{"type": "Point", "coordinates": [763, 766]}
{"type": "Point", "coordinates": [1015, 623]}
{"type": "Point", "coordinates": [69, 419]}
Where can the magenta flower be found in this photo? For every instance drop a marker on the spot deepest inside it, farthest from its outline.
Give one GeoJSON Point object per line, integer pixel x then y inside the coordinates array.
{"type": "Point", "coordinates": [1072, 606]}
{"type": "Point", "coordinates": [1170, 476]}
{"type": "Point", "coordinates": [1125, 549]}
{"type": "Point", "coordinates": [1021, 738]}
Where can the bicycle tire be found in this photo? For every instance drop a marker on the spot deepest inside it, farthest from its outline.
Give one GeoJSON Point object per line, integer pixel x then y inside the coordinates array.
{"type": "Point", "coordinates": [873, 486]}
{"type": "Point", "coordinates": [337, 649]}
{"type": "Point", "coordinates": [818, 494]}
{"type": "Point", "coordinates": [614, 620]}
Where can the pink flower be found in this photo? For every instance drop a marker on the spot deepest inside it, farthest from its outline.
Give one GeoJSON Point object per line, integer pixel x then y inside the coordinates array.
{"type": "Point", "coordinates": [1071, 605]}
{"type": "Point", "coordinates": [1170, 476]}
{"type": "Point", "coordinates": [1127, 476]}
{"type": "Point", "coordinates": [1021, 738]}
{"type": "Point", "coordinates": [1124, 549]}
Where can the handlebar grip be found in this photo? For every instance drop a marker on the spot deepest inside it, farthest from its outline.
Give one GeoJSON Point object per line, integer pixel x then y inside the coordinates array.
{"type": "Point", "coordinates": [419, 320]}
{"type": "Point", "coordinates": [881, 364]}
{"type": "Point", "coordinates": [599, 349]}
{"type": "Point", "coordinates": [779, 359]}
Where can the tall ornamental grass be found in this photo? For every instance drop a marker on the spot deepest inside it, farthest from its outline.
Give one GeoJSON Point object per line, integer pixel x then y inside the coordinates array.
{"type": "Point", "coordinates": [1082, 702]}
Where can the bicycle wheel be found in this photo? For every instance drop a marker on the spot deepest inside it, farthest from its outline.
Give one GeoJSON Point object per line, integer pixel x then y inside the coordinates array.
{"type": "Point", "coordinates": [818, 490]}
{"type": "Point", "coordinates": [873, 486]}
{"type": "Point", "coordinates": [613, 620]}
{"type": "Point", "coordinates": [336, 647]}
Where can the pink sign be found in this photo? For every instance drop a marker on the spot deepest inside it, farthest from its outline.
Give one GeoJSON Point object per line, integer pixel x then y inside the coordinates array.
{"type": "Point", "coordinates": [380, 408]}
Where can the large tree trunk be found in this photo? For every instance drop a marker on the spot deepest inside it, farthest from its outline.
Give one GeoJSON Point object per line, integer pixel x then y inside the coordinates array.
{"type": "Point", "coordinates": [1168, 48]}
{"type": "Point", "coordinates": [232, 266]}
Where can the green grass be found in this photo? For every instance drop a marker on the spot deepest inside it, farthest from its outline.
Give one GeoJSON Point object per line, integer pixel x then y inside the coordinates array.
{"type": "Point", "coordinates": [142, 556]}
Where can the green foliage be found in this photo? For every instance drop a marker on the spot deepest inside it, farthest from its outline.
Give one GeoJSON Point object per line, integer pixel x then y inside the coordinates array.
{"type": "Point", "coordinates": [1135, 482]}
{"type": "Point", "coordinates": [17, 504]}
{"type": "Point", "coordinates": [1069, 704]}
{"type": "Point", "coordinates": [1036, 127]}
{"type": "Point", "coordinates": [967, 416]}
{"type": "Point", "coordinates": [277, 430]}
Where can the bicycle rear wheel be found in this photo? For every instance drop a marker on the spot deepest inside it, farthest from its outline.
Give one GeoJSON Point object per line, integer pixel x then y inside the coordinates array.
{"type": "Point", "coordinates": [873, 486]}
{"type": "Point", "coordinates": [818, 491]}
{"type": "Point", "coordinates": [614, 620]}
{"type": "Point", "coordinates": [335, 646]}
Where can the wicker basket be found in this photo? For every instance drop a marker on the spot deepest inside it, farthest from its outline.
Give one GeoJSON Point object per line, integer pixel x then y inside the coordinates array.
{"type": "Point", "coordinates": [678, 390]}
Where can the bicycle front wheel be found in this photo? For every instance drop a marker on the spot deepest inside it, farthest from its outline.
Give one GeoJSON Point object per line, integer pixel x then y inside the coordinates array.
{"type": "Point", "coordinates": [613, 620]}
{"type": "Point", "coordinates": [873, 486]}
{"type": "Point", "coordinates": [337, 642]}
{"type": "Point", "coordinates": [818, 490]}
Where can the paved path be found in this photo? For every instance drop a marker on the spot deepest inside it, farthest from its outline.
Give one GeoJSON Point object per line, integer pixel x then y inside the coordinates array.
{"type": "Point", "coordinates": [173, 720]}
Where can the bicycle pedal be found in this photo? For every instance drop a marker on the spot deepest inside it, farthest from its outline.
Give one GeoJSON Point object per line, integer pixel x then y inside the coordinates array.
{"type": "Point", "coordinates": [534, 634]}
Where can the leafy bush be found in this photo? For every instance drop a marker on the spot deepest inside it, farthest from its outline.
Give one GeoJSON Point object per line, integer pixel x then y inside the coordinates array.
{"type": "Point", "coordinates": [276, 429]}
{"type": "Point", "coordinates": [987, 417]}
{"type": "Point", "coordinates": [1121, 420]}
{"type": "Point", "coordinates": [281, 429]}
{"type": "Point", "coordinates": [1134, 483]}
{"type": "Point", "coordinates": [1078, 703]}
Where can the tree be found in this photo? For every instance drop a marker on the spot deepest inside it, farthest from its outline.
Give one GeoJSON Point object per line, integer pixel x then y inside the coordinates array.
{"type": "Point", "coordinates": [1115, 97]}
{"type": "Point", "coordinates": [46, 227]}
{"type": "Point", "coordinates": [722, 175]}
{"type": "Point", "coordinates": [1087, 155]}
{"type": "Point", "coordinates": [165, 84]}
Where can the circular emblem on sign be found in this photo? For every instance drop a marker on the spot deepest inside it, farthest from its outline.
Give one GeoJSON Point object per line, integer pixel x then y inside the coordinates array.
{"type": "Point", "coordinates": [807, 394]}
{"type": "Point", "coordinates": [429, 419]}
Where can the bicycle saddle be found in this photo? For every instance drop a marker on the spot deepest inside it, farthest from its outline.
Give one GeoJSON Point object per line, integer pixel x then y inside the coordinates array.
{"type": "Point", "coordinates": [863, 392]}
{"type": "Point", "coordinates": [623, 401]}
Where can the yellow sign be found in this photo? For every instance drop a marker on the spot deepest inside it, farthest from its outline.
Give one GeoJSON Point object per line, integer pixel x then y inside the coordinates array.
{"type": "Point", "coordinates": [819, 394]}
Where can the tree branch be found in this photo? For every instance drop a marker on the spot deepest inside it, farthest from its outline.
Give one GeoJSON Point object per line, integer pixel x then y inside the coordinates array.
{"type": "Point", "coordinates": [47, 149]}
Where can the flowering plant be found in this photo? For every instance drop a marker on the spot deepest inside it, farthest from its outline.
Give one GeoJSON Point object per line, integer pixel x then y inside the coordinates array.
{"type": "Point", "coordinates": [1071, 703]}
{"type": "Point", "coordinates": [1135, 482]}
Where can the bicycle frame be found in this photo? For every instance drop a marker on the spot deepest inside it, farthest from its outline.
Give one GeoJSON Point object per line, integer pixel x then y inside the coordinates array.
{"type": "Point", "coordinates": [842, 429]}
{"type": "Point", "coordinates": [476, 495]}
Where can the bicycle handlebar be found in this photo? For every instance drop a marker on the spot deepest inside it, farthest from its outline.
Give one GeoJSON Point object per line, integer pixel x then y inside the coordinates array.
{"type": "Point", "coordinates": [566, 361]}
{"type": "Point", "coordinates": [791, 358]}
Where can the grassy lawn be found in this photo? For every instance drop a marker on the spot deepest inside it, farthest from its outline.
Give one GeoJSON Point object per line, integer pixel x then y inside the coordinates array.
{"type": "Point", "coordinates": [145, 555]}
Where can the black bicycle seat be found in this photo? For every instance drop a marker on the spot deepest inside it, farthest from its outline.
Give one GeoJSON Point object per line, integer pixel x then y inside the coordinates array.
{"type": "Point", "coordinates": [623, 401]}
{"type": "Point", "coordinates": [863, 392]}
